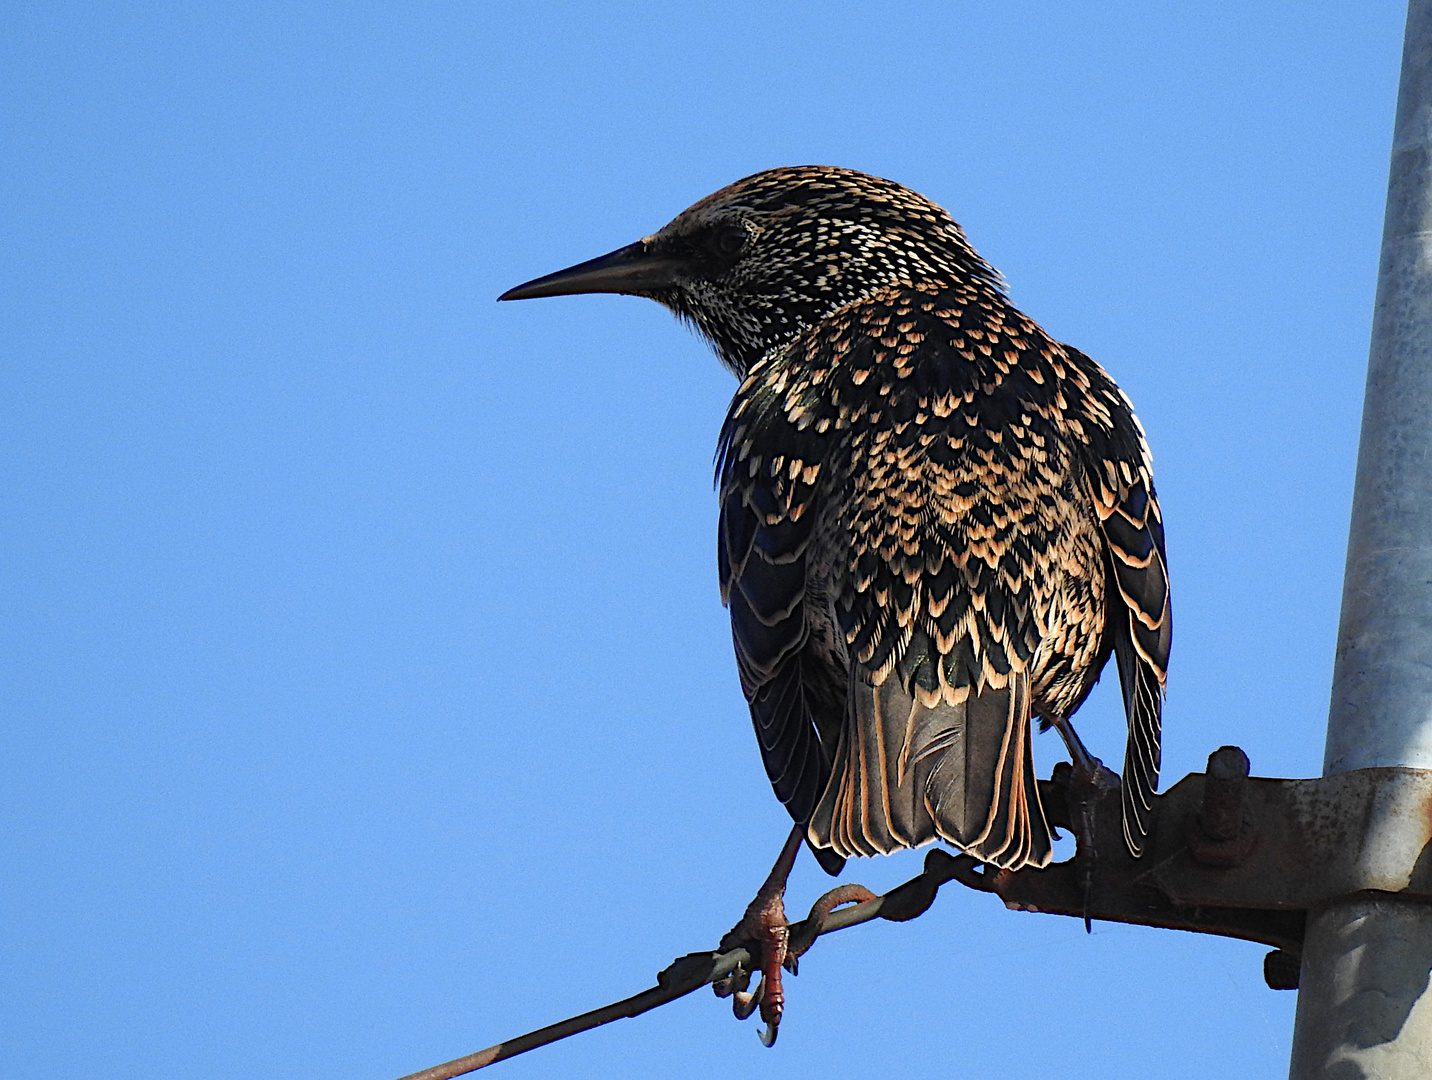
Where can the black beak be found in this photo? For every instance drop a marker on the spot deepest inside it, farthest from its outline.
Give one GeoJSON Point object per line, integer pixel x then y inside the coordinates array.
{"type": "Point", "coordinates": [632, 270]}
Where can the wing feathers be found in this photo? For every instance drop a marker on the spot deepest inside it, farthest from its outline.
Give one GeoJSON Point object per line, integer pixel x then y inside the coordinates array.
{"type": "Point", "coordinates": [764, 532]}
{"type": "Point", "coordinates": [1141, 629]}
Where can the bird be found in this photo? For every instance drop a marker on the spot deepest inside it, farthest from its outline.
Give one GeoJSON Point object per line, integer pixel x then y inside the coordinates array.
{"type": "Point", "coordinates": [937, 523]}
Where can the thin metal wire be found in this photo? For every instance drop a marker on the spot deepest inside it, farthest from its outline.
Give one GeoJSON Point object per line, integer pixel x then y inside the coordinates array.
{"type": "Point", "coordinates": [695, 970]}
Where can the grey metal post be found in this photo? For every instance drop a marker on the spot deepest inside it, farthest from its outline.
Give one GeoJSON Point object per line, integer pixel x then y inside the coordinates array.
{"type": "Point", "coordinates": [1364, 1009]}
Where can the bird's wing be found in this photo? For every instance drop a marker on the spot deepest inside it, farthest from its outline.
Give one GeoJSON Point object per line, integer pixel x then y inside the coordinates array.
{"type": "Point", "coordinates": [1140, 627]}
{"type": "Point", "coordinates": [768, 516]}
{"type": "Point", "coordinates": [1140, 621]}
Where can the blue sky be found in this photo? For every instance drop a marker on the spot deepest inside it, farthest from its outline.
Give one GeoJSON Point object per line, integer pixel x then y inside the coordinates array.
{"type": "Point", "coordinates": [367, 696]}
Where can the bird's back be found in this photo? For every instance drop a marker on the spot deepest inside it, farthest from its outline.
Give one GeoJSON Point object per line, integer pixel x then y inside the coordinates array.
{"type": "Point", "coordinates": [911, 511]}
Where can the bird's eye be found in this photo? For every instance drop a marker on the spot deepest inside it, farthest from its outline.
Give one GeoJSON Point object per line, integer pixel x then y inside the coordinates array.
{"type": "Point", "coordinates": [728, 240]}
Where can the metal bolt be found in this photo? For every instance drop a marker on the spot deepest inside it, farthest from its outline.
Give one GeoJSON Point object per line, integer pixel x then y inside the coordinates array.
{"type": "Point", "coordinates": [1221, 816]}
{"type": "Point", "coordinates": [1224, 832]}
{"type": "Point", "coordinates": [1281, 969]}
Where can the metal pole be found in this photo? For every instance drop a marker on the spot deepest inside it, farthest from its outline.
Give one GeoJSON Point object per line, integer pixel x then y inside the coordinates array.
{"type": "Point", "coordinates": [1364, 1009]}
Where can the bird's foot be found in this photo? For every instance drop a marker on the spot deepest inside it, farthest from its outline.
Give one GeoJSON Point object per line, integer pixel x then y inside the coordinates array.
{"type": "Point", "coordinates": [1089, 781]}
{"type": "Point", "coordinates": [768, 936]}
{"type": "Point", "coordinates": [764, 932]}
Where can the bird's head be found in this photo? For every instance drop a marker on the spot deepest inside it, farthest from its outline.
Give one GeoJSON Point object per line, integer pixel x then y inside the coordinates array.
{"type": "Point", "coordinates": [760, 260]}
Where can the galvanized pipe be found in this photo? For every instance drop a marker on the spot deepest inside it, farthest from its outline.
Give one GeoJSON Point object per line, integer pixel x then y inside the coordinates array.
{"type": "Point", "coordinates": [1364, 1008]}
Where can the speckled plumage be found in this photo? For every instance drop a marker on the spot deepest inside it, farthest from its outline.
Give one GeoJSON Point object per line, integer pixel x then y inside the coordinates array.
{"type": "Point", "coordinates": [936, 522]}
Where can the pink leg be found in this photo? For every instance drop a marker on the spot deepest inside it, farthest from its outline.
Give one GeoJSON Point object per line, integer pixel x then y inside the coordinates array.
{"type": "Point", "coordinates": [764, 930]}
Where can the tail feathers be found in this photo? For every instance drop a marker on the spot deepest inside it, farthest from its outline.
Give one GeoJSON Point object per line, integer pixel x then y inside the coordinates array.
{"type": "Point", "coordinates": [873, 805]}
{"type": "Point", "coordinates": [905, 774]}
{"type": "Point", "coordinates": [993, 810]}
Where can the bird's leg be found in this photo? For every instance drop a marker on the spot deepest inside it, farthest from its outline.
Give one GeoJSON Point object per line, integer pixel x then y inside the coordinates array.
{"type": "Point", "coordinates": [1087, 785]}
{"type": "Point", "coordinates": [764, 931]}
{"type": "Point", "coordinates": [1084, 761]}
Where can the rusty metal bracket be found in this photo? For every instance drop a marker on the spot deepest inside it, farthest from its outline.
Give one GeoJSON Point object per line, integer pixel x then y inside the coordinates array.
{"type": "Point", "coordinates": [1236, 855]}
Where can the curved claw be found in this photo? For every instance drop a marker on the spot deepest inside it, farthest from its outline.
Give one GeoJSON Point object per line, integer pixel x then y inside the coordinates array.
{"type": "Point", "coordinates": [769, 1032]}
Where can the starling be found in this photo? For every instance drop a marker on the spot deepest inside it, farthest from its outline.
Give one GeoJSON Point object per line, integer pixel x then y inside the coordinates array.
{"type": "Point", "coordinates": [937, 522]}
